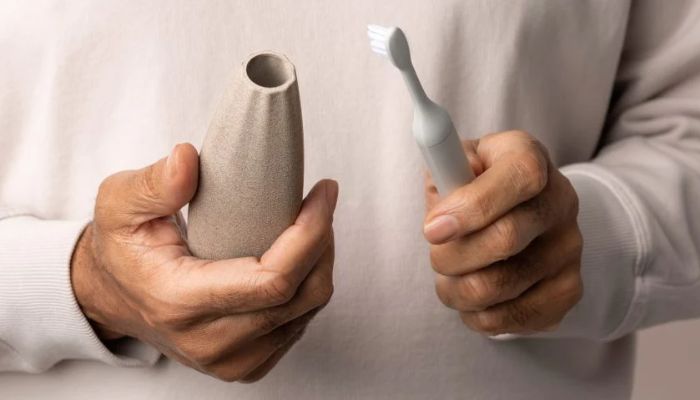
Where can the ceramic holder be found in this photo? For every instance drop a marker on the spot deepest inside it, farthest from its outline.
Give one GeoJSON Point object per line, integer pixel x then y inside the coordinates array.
{"type": "Point", "coordinates": [251, 164]}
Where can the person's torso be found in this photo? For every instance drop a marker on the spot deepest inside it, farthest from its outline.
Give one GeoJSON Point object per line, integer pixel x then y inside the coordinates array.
{"type": "Point", "coordinates": [88, 89]}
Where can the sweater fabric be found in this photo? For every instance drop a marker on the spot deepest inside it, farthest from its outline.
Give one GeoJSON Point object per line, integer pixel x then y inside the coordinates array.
{"type": "Point", "coordinates": [612, 89]}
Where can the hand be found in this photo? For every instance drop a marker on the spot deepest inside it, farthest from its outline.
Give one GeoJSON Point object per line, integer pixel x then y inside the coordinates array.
{"type": "Point", "coordinates": [133, 275]}
{"type": "Point", "coordinates": [506, 247]}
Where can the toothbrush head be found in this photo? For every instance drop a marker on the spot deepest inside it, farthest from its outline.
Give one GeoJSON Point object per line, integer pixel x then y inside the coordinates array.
{"type": "Point", "coordinates": [391, 43]}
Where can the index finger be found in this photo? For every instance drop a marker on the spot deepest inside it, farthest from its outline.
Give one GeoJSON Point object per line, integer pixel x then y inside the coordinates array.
{"type": "Point", "coordinates": [296, 251]}
{"type": "Point", "coordinates": [432, 197]}
{"type": "Point", "coordinates": [516, 171]}
{"type": "Point", "coordinates": [246, 284]}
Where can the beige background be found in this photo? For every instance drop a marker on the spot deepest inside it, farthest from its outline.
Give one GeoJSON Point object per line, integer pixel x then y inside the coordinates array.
{"type": "Point", "coordinates": [668, 364]}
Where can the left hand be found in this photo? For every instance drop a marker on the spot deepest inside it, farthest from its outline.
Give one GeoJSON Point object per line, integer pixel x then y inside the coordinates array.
{"type": "Point", "coordinates": [506, 247]}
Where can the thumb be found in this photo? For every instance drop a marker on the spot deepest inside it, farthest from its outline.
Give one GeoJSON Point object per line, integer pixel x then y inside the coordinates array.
{"type": "Point", "coordinates": [131, 198]}
{"type": "Point", "coordinates": [432, 197]}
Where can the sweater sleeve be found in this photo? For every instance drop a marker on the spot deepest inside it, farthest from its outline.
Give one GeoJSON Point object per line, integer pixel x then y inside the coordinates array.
{"type": "Point", "coordinates": [639, 211]}
{"type": "Point", "coordinates": [41, 323]}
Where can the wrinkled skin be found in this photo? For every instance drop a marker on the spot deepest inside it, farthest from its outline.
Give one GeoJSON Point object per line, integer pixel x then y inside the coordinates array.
{"type": "Point", "coordinates": [506, 248]}
{"type": "Point", "coordinates": [133, 275]}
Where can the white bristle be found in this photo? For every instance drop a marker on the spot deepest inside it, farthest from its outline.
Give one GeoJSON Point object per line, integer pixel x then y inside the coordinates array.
{"type": "Point", "coordinates": [378, 28]}
{"type": "Point", "coordinates": [378, 44]}
{"type": "Point", "coordinates": [376, 36]}
{"type": "Point", "coordinates": [379, 48]}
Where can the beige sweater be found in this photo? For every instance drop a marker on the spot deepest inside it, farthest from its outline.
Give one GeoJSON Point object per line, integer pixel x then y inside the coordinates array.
{"type": "Point", "coordinates": [612, 88]}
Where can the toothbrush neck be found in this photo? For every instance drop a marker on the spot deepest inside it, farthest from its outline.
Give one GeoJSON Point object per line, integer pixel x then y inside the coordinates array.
{"type": "Point", "coordinates": [415, 88]}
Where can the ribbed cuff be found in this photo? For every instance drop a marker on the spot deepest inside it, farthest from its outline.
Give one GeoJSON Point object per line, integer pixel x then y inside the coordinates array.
{"type": "Point", "coordinates": [40, 319]}
{"type": "Point", "coordinates": [614, 247]}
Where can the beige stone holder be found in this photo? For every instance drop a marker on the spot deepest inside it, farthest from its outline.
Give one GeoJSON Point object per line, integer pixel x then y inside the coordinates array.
{"type": "Point", "coordinates": [251, 171]}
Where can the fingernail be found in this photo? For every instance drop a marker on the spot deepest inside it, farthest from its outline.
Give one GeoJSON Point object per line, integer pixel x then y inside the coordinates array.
{"type": "Point", "coordinates": [441, 229]}
{"type": "Point", "coordinates": [332, 194]}
{"type": "Point", "coordinates": [171, 163]}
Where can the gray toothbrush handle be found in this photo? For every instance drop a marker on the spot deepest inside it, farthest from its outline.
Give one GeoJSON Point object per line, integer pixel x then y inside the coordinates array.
{"type": "Point", "coordinates": [448, 164]}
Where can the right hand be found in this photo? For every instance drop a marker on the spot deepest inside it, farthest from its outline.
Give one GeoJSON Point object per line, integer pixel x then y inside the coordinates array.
{"type": "Point", "coordinates": [133, 275]}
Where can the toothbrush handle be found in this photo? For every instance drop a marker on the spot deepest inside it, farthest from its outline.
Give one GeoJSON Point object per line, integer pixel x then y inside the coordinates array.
{"type": "Point", "coordinates": [448, 164]}
{"type": "Point", "coordinates": [450, 169]}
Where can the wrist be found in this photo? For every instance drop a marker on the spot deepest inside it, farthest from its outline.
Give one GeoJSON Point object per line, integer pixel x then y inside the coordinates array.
{"type": "Point", "coordinates": [86, 285]}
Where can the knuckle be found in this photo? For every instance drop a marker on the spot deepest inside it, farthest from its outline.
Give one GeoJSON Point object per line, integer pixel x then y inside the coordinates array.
{"type": "Point", "coordinates": [531, 173]}
{"type": "Point", "coordinates": [443, 292]}
{"type": "Point", "coordinates": [507, 237]}
{"type": "Point", "coordinates": [477, 290]}
{"type": "Point", "coordinates": [488, 322]}
{"type": "Point", "coordinates": [276, 287]}
{"type": "Point", "coordinates": [571, 289]}
{"type": "Point", "coordinates": [322, 293]}
{"type": "Point", "coordinates": [438, 259]}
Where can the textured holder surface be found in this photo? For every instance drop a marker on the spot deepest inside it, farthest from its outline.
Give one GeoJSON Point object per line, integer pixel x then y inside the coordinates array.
{"type": "Point", "coordinates": [251, 163]}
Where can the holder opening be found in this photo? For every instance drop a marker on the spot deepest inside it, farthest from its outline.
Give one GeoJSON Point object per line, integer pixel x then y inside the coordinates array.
{"type": "Point", "coordinates": [269, 70]}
